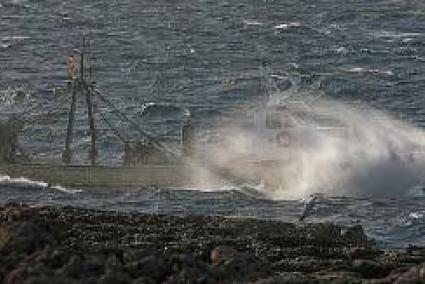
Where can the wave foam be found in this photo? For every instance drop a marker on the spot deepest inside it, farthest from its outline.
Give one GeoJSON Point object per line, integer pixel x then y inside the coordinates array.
{"type": "Point", "coordinates": [23, 182]}
{"type": "Point", "coordinates": [373, 154]}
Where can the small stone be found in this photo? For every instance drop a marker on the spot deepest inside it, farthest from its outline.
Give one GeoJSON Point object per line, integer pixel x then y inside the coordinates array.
{"type": "Point", "coordinates": [221, 253]}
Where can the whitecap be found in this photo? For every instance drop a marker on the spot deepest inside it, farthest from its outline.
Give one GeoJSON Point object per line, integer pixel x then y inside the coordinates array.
{"type": "Point", "coordinates": [252, 23]}
{"type": "Point", "coordinates": [13, 95]}
{"type": "Point", "coordinates": [342, 50]}
{"type": "Point", "coordinates": [14, 38]}
{"type": "Point", "coordinates": [65, 190]}
{"type": "Point", "coordinates": [368, 71]}
{"type": "Point", "coordinates": [208, 188]}
{"type": "Point", "coordinates": [416, 215]}
{"type": "Point", "coordinates": [392, 35]}
{"type": "Point", "coordinates": [286, 26]}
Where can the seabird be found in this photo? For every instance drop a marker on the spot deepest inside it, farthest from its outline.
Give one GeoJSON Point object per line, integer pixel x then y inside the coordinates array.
{"type": "Point", "coordinates": [308, 206]}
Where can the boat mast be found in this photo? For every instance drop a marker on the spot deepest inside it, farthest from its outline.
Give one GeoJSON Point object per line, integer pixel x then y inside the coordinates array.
{"type": "Point", "coordinates": [67, 154]}
{"type": "Point", "coordinates": [85, 89]}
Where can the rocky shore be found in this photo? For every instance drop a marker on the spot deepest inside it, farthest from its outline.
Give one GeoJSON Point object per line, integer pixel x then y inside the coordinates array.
{"type": "Point", "coordinates": [72, 245]}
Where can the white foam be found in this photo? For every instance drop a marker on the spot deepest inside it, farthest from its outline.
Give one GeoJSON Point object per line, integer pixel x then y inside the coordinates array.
{"type": "Point", "coordinates": [368, 71]}
{"type": "Point", "coordinates": [342, 50]}
{"type": "Point", "coordinates": [371, 154]}
{"type": "Point", "coordinates": [394, 35]}
{"type": "Point", "coordinates": [286, 26]}
{"type": "Point", "coordinates": [32, 184]}
{"type": "Point", "coordinates": [417, 215]}
{"type": "Point", "coordinates": [252, 23]}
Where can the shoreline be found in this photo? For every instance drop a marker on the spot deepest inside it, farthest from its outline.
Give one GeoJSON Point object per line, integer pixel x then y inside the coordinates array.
{"type": "Point", "coordinates": [66, 244]}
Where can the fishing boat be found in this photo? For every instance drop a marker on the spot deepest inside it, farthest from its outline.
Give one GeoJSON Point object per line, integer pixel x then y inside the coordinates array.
{"type": "Point", "coordinates": [145, 162]}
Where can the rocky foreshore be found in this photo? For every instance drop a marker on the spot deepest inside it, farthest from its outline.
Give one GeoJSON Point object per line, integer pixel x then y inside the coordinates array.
{"type": "Point", "coordinates": [73, 245]}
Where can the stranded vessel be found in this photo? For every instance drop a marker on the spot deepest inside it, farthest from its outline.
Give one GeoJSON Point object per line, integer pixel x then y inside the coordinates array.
{"type": "Point", "coordinates": [145, 162]}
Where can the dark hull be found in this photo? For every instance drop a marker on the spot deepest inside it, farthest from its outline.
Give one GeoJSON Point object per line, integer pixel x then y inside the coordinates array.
{"type": "Point", "coordinates": [172, 175]}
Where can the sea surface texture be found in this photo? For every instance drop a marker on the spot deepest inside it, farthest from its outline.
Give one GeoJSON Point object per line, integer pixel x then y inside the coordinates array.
{"type": "Point", "coordinates": [157, 60]}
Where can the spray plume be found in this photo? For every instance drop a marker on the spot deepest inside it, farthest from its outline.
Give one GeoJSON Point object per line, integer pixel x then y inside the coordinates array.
{"type": "Point", "coordinates": [363, 152]}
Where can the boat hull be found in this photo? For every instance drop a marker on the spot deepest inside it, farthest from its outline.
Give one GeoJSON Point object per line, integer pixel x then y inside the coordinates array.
{"type": "Point", "coordinates": [170, 175]}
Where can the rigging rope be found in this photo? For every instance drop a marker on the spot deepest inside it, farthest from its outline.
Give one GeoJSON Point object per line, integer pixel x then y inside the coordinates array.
{"type": "Point", "coordinates": [50, 111]}
{"type": "Point", "coordinates": [30, 109]}
{"type": "Point", "coordinates": [114, 130]}
{"type": "Point", "coordinates": [135, 125]}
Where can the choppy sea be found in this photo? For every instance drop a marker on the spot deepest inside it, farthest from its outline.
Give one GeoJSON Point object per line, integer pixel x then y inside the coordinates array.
{"type": "Point", "coordinates": [155, 59]}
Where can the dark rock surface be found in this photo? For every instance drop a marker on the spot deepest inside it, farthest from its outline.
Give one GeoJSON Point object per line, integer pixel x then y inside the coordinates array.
{"type": "Point", "coordinates": [71, 245]}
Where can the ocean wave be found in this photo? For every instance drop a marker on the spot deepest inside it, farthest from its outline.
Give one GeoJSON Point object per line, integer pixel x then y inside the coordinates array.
{"type": "Point", "coordinates": [13, 95]}
{"type": "Point", "coordinates": [393, 36]}
{"type": "Point", "coordinates": [26, 183]}
{"type": "Point", "coordinates": [371, 71]}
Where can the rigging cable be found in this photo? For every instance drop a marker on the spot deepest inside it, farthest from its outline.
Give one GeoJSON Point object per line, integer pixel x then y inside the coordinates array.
{"type": "Point", "coordinates": [114, 130]}
{"type": "Point", "coordinates": [154, 141]}
{"type": "Point", "coordinates": [50, 111]}
{"type": "Point", "coordinates": [30, 109]}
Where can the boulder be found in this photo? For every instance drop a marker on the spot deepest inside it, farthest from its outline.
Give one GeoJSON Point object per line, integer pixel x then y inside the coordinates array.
{"type": "Point", "coordinates": [369, 268]}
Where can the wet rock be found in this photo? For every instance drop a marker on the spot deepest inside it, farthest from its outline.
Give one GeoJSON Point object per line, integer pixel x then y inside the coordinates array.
{"type": "Point", "coordinates": [362, 253]}
{"type": "Point", "coordinates": [338, 276]}
{"type": "Point", "coordinates": [26, 237]}
{"type": "Point", "coordinates": [17, 275]}
{"type": "Point", "coordinates": [223, 253]}
{"type": "Point", "coordinates": [185, 268]}
{"type": "Point", "coordinates": [414, 274]}
{"type": "Point", "coordinates": [231, 265]}
{"type": "Point", "coordinates": [114, 277]}
{"type": "Point", "coordinates": [71, 244]}
{"type": "Point", "coordinates": [286, 278]}
{"type": "Point", "coordinates": [145, 280]}
{"type": "Point", "coordinates": [325, 234]}
{"type": "Point", "coordinates": [369, 268]}
{"type": "Point", "coordinates": [153, 266]}
{"type": "Point", "coordinates": [133, 255]}
{"type": "Point", "coordinates": [71, 269]}
{"type": "Point", "coordinates": [18, 213]}
{"type": "Point", "coordinates": [27, 266]}
{"type": "Point", "coordinates": [58, 258]}
{"type": "Point", "coordinates": [50, 279]}
{"type": "Point", "coordinates": [354, 235]}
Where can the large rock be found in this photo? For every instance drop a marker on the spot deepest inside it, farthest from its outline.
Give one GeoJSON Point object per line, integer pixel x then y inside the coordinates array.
{"type": "Point", "coordinates": [228, 264]}
{"type": "Point", "coordinates": [26, 237]}
{"type": "Point", "coordinates": [404, 275]}
{"type": "Point", "coordinates": [354, 235]}
{"type": "Point", "coordinates": [369, 268]}
{"type": "Point", "coordinates": [152, 266]}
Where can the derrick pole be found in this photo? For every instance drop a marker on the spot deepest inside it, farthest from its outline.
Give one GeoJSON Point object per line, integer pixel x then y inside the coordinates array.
{"type": "Point", "coordinates": [67, 154]}
{"type": "Point", "coordinates": [93, 151]}
{"type": "Point", "coordinates": [88, 94]}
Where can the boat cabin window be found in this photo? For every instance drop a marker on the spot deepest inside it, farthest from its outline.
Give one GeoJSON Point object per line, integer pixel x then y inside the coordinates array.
{"type": "Point", "coordinates": [273, 120]}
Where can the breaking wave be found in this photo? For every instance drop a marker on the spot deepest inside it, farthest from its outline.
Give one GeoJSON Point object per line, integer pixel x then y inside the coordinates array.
{"type": "Point", "coordinates": [358, 151]}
